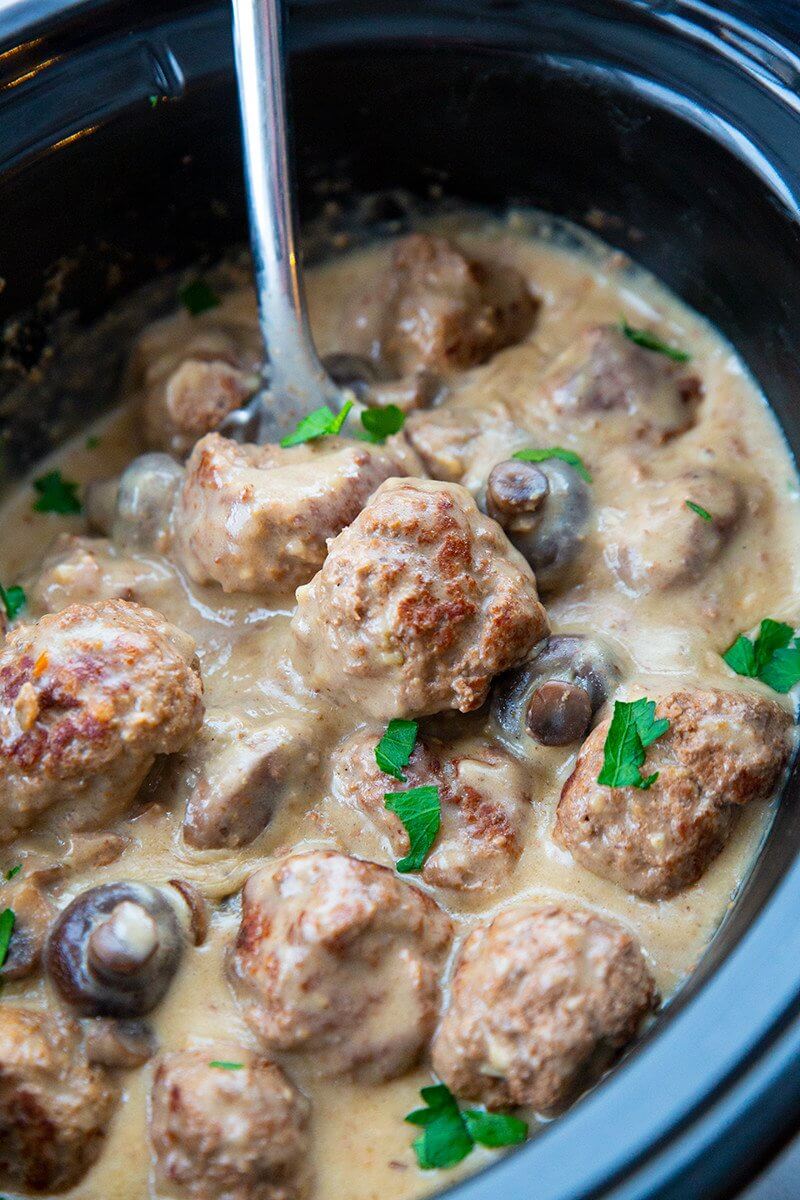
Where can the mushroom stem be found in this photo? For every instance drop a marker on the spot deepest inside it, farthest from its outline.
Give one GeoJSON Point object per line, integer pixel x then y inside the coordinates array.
{"type": "Point", "coordinates": [122, 944]}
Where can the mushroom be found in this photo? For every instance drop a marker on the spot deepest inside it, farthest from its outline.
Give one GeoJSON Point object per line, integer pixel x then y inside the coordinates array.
{"type": "Point", "coordinates": [544, 509]}
{"type": "Point", "coordinates": [148, 488]}
{"type": "Point", "coordinates": [119, 1044]}
{"type": "Point", "coordinates": [115, 948]}
{"type": "Point", "coordinates": [353, 371]}
{"type": "Point", "coordinates": [554, 696]}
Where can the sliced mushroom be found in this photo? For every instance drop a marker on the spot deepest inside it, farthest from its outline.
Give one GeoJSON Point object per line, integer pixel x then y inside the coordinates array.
{"type": "Point", "coordinates": [115, 948]}
{"type": "Point", "coordinates": [554, 696]}
{"type": "Point", "coordinates": [353, 371]}
{"type": "Point", "coordinates": [119, 1044]}
{"type": "Point", "coordinates": [544, 509]}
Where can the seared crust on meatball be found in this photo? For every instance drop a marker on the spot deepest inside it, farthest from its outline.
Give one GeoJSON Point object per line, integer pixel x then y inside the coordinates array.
{"type": "Point", "coordinates": [542, 1002]}
{"type": "Point", "coordinates": [722, 750]}
{"type": "Point", "coordinates": [54, 1106]}
{"type": "Point", "coordinates": [605, 380]}
{"type": "Point", "coordinates": [88, 698]}
{"type": "Point", "coordinates": [660, 543]}
{"type": "Point", "coordinates": [258, 518]}
{"type": "Point", "coordinates": [484, 798]}
{"type": "Point", "coordinates": [340, 959]}
{"type": "Point", "coordinates": [241, 1134]}
{"type": "Point", "coordinates": [420, 602]}
{"type": "Point", "coordinates": [442, 309]}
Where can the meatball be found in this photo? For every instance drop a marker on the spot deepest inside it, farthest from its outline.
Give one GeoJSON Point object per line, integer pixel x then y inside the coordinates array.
{"type": "Point", "coordinates": [485, 800]}
{"type": "Point", "coordinates": [54, 1106]}
{"type": "Point", "coordinates": [722, 750]}
{"type": "Point", "coordinates": [420, 602]}
{"type": "Point", "coordinates": [33, 915]}
{"type": "Point", "coordinates": [88, 698]}
{"type": "Point", "coordinates": [658, 542]}
{"type": "Point", "coordinates": [461, 445]}
{"type": "Point", "coordinates": [258, 518]}
{"type": "Point", "coordinates": [218, 1132]}
{"type": "Point", "coordinates": [188, 395]}
{"type": "Point", "coordinates": [236, 772]}
{"type": "Point", "coordinates": [606, 382]}
{"type": "Point", "coordinates": [542, 1002]}
{"type": "Point", "coordinates": [439, 308]}
{"type": "Point", "coordinates": [82, 570]}
{"type": "Point", "coordinates": [340, 959]}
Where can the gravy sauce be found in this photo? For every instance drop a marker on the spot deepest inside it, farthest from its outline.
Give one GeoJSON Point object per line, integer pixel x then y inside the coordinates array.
{"type": "Point", "coordinates": [362, 1147]}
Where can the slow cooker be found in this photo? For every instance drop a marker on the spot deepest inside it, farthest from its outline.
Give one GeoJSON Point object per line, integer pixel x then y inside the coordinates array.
{"type": "Point", "coordinates": [673, 123]}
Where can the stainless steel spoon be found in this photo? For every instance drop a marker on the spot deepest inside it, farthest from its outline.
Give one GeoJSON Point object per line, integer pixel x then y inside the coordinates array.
{"type": "Point", "coordinates": [295, 381]}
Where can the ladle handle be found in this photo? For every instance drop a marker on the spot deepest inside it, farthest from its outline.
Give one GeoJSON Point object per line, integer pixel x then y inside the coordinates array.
{"type": "Point", "coordinates": [295, 371]}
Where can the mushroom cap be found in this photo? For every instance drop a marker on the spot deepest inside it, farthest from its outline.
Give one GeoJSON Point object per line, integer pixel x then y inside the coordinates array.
{"type": "Point", "coordinates": [114, 950]}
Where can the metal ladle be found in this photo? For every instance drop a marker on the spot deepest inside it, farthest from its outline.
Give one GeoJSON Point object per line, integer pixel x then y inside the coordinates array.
{"type": "Point", "coordinates": [295, 381]}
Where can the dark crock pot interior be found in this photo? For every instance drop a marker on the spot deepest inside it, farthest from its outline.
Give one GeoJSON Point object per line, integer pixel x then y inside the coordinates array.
{"type": "Point", "coordinates": [679, 123]}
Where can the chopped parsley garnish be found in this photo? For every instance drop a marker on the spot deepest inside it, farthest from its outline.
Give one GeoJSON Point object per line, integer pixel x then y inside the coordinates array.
{"type": "Point", "coordinates": [633, 728]}
{"type": "Point", "coordinates": [649, 341]}
{"type": "Point", "coordinates": [226, 1066]}
{"type": "Point", "coordinates": [198, 297]}
{"type": "Point", "coordinates": [770, 658]}
{"type": "Point", "coordinates": [393, 751]}
{"type": "Point", "coordinates": [450, 1134]}
{"type": "Point", "coordinates": [56, 494]}
{"type": "Point", "coordinates": [568, 456]}
{"type": "Point", "coordinates": [703, 513]}
{"type": "Point", "coordinates": [381, 422]}
{"type": "Point", "coordinates": [13, 599]}
{"type": "Point", "coordinates": [420, 810]}
{"type": "Point", "coordinates": [322, 422]}
{"type": "Point", "coordinates": [153, 101]}
{"type": "Point", "coordinates": [92, 441]}
{"type": "Point", "coordinates": [6, 930]}
{"type": "Point", "coordinates": [14, 871]}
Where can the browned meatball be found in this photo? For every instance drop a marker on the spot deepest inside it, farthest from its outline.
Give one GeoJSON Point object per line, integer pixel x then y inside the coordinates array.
{"type": "Point", "coordinates": [340, 959]}
{"type": "Point", "coordinates": [437, 307]}
{"type": "Point", "coordinates": [88, 698]}
{"type": "Point", "coordinates": [485, 799]}
{"type": "Point", "coordinates": [604, 381]}
{"type": "Point", "coordinates": [722, 750]}
{"type": "Point", "coordinates": [241, 1134]}
{"type": "Point", "coordinates": [34, 914]}
{"type": "Point", "coordinates": [234, 775]}
{"type": "Point", "coordinates": [658, 542]}
{"type": "Point", "coordinates": [83, 570]}
{"type": "Point", "coordinates": [54, 1107]}
{"type": "Point", "coordinates": [186, 396]}
{"type": "Point", "coordinates": [421, 601]}
{"type": "Point", "coordinates": [461, 445]}
{"type": "Point", "coordinates": [258, 518]}
{"type": "Point", "coordinates": [542, 1002]}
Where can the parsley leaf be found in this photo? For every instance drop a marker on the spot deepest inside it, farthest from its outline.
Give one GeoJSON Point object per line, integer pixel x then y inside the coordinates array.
{"type": "Point", "coordinates": [13, 600]}
{"type": "Point", "coordinates": [226, 1066]}
{"type": "Point", "coordinates": [92, 441]}
{"type": "Point", "coordinates": [633, 728]}
{"type": "Point", "coordinates": [769, 658]}
{"type": "Point", "coordinates": [14, 871]}
{"type": "Point", "coordinates": [6, 930]}
{"type": "Point", "coordinates": [322, 422]}
{"type": "Point", "coordinates": [197, 297]}
{"type": "Point", "coordinates": [393, 751]}
{"type": "Point", "coordinates": [56, 494]}
{"type": "Point", "coordinates": [649, 341]}
{"type": "Point", "coordinates": [449, 1135]}
{"type": "Point", "coordinates": [381, 422]}
{"type": "Point", "coordinates": [568, 456]}
{"type": "Point", "coordinates": [420, 810]}
{"type": "Point", "coordinates": [703, 513]}
{"type": "Point", "coordinates": [495, 1129]}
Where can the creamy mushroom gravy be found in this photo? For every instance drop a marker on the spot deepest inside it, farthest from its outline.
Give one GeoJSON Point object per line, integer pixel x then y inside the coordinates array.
{"type": "Point", "coordinates": [361, 1146]}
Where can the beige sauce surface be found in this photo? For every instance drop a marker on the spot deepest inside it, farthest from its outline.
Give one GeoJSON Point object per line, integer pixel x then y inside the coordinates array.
{"type": "Point", "coordinates": [362, 1147]}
